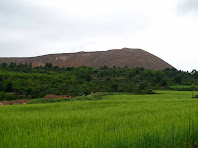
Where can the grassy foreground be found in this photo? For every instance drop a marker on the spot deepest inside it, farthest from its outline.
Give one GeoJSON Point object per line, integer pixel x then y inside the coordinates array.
{"type": "Point", "coordinates": [169, 119]}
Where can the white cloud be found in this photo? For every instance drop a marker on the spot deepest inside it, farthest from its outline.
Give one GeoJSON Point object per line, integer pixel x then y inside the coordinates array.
{"type": "Point", "coordinates": [188, 6]}
{"type": "Point", "coordinates": [30, 28]}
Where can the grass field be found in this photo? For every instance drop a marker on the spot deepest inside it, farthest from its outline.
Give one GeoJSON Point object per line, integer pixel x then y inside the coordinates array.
{"type": "Point", "coordinates": [184, 86]}
{"type": "Point", "coordinates": [168, 119]}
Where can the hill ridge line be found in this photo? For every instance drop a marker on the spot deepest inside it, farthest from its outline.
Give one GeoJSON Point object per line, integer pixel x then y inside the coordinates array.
{"type": "Point", "coordinates": [130, 57]}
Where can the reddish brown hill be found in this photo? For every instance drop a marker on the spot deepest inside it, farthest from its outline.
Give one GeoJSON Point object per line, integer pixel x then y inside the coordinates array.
{"type": "Point", "coordinates": [118, 57]}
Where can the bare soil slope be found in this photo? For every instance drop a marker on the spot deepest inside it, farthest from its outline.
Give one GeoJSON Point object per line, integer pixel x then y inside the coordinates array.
{"type": "Point", "coordinates": [117, 57]}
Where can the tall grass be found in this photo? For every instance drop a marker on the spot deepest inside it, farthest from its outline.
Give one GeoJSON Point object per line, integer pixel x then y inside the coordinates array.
{"type": "Point", "coordinates": [169, 119]}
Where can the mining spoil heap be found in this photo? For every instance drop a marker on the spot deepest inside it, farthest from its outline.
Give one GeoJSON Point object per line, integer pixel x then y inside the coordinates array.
{"type": "Point", "coordinates": [131, 58]}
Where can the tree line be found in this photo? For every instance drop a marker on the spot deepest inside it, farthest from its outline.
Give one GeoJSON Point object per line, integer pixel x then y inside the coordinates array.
{"type": "Point", "coordinates": [24, 81]}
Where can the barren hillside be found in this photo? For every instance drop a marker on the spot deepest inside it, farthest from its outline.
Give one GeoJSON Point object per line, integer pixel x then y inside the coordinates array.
{"type": "Point", "coordinates": [117, 57]}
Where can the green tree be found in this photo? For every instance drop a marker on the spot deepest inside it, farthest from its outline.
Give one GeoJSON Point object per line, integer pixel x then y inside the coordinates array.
{"type": "Point", "coordinates": [9, 87]}
{"type": "Point", "coordinates": [164, 83]}
{"type": "Point", "coordinates": [48, 66]}
{"type": "Point", "coordinates": [114, 87]}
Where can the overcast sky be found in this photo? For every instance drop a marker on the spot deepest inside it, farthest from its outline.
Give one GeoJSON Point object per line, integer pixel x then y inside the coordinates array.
{"type": "Point", "coordinates": [165, 28]}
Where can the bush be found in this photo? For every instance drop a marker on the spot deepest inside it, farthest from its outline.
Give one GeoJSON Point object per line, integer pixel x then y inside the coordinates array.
{"type": "Point", "coordinates": [149, 91]}
{"type": "Point", "coordinates": [196, 96]}
{"type": "Point", "coordinates": [40, 100]}
{"type": "Point", "coordinates": [10, 96]}
{"type": "Point", "coordinates": [2, 95]}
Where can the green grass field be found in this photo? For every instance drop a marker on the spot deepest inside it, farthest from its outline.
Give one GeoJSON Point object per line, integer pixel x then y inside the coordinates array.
{"type": "Point", "coordinates": [184, 86]}
{"type": "Point", "coordinates": [168, 119]}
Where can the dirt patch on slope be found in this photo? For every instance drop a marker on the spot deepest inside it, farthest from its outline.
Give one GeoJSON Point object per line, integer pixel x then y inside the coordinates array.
{"type": "Point", "coordinates": [131, 58]}
{"type": "Point", "coordinates": [11, 102]}
{"type": "Point", "coordinates": [56, 96]}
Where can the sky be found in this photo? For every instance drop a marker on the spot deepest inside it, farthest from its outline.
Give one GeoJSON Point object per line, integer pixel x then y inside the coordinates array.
{"type": "Point", "coordinates": [165, 28]}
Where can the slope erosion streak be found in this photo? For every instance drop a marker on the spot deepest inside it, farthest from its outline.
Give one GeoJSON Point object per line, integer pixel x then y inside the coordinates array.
{"type": "Point", "coordinates": [131, 58]}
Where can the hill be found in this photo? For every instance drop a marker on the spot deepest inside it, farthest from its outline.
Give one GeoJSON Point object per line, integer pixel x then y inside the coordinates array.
{"type": "Point", "coordinates": [131, 58]}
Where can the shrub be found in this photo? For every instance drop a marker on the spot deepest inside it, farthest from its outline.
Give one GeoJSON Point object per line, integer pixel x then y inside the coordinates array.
{"type": "Point", "coordinates": [149, 91]}
{"type": "Point", "coordinates": [10, 96]}
{"type": "Point", "coordinates": [2, 95]}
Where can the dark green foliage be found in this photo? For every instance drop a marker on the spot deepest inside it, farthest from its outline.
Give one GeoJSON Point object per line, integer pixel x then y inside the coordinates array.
{"type": "Point", "coordinates": [1, 86]}
{"type": "Point", "coordinates": [10, 96]}
{"type": "Point", "coordinates": [196, 96]}
{"type": "Point", "coordinates": [4, 65]}
{"type": "Point", "coordinates": [114, 87]}
{"type": "Point", "coordinates": [164, 83]}
{"type": "Point", "coordinates": [48, 66]}
{"type": "Point", "coordinates": [9, 87]}
{"type": "Point", "coordinates": [25, 81]}
{"type": "Point", "coordinates": [149, 91]}
{"type": "Point", "coordinates": [2, 96]}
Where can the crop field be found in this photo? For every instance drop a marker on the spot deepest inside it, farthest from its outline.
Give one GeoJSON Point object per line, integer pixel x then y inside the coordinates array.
{"type": "Point", "coordinates": [184, 86]}
{"type": "Point", "coordinates": [168, 119]}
